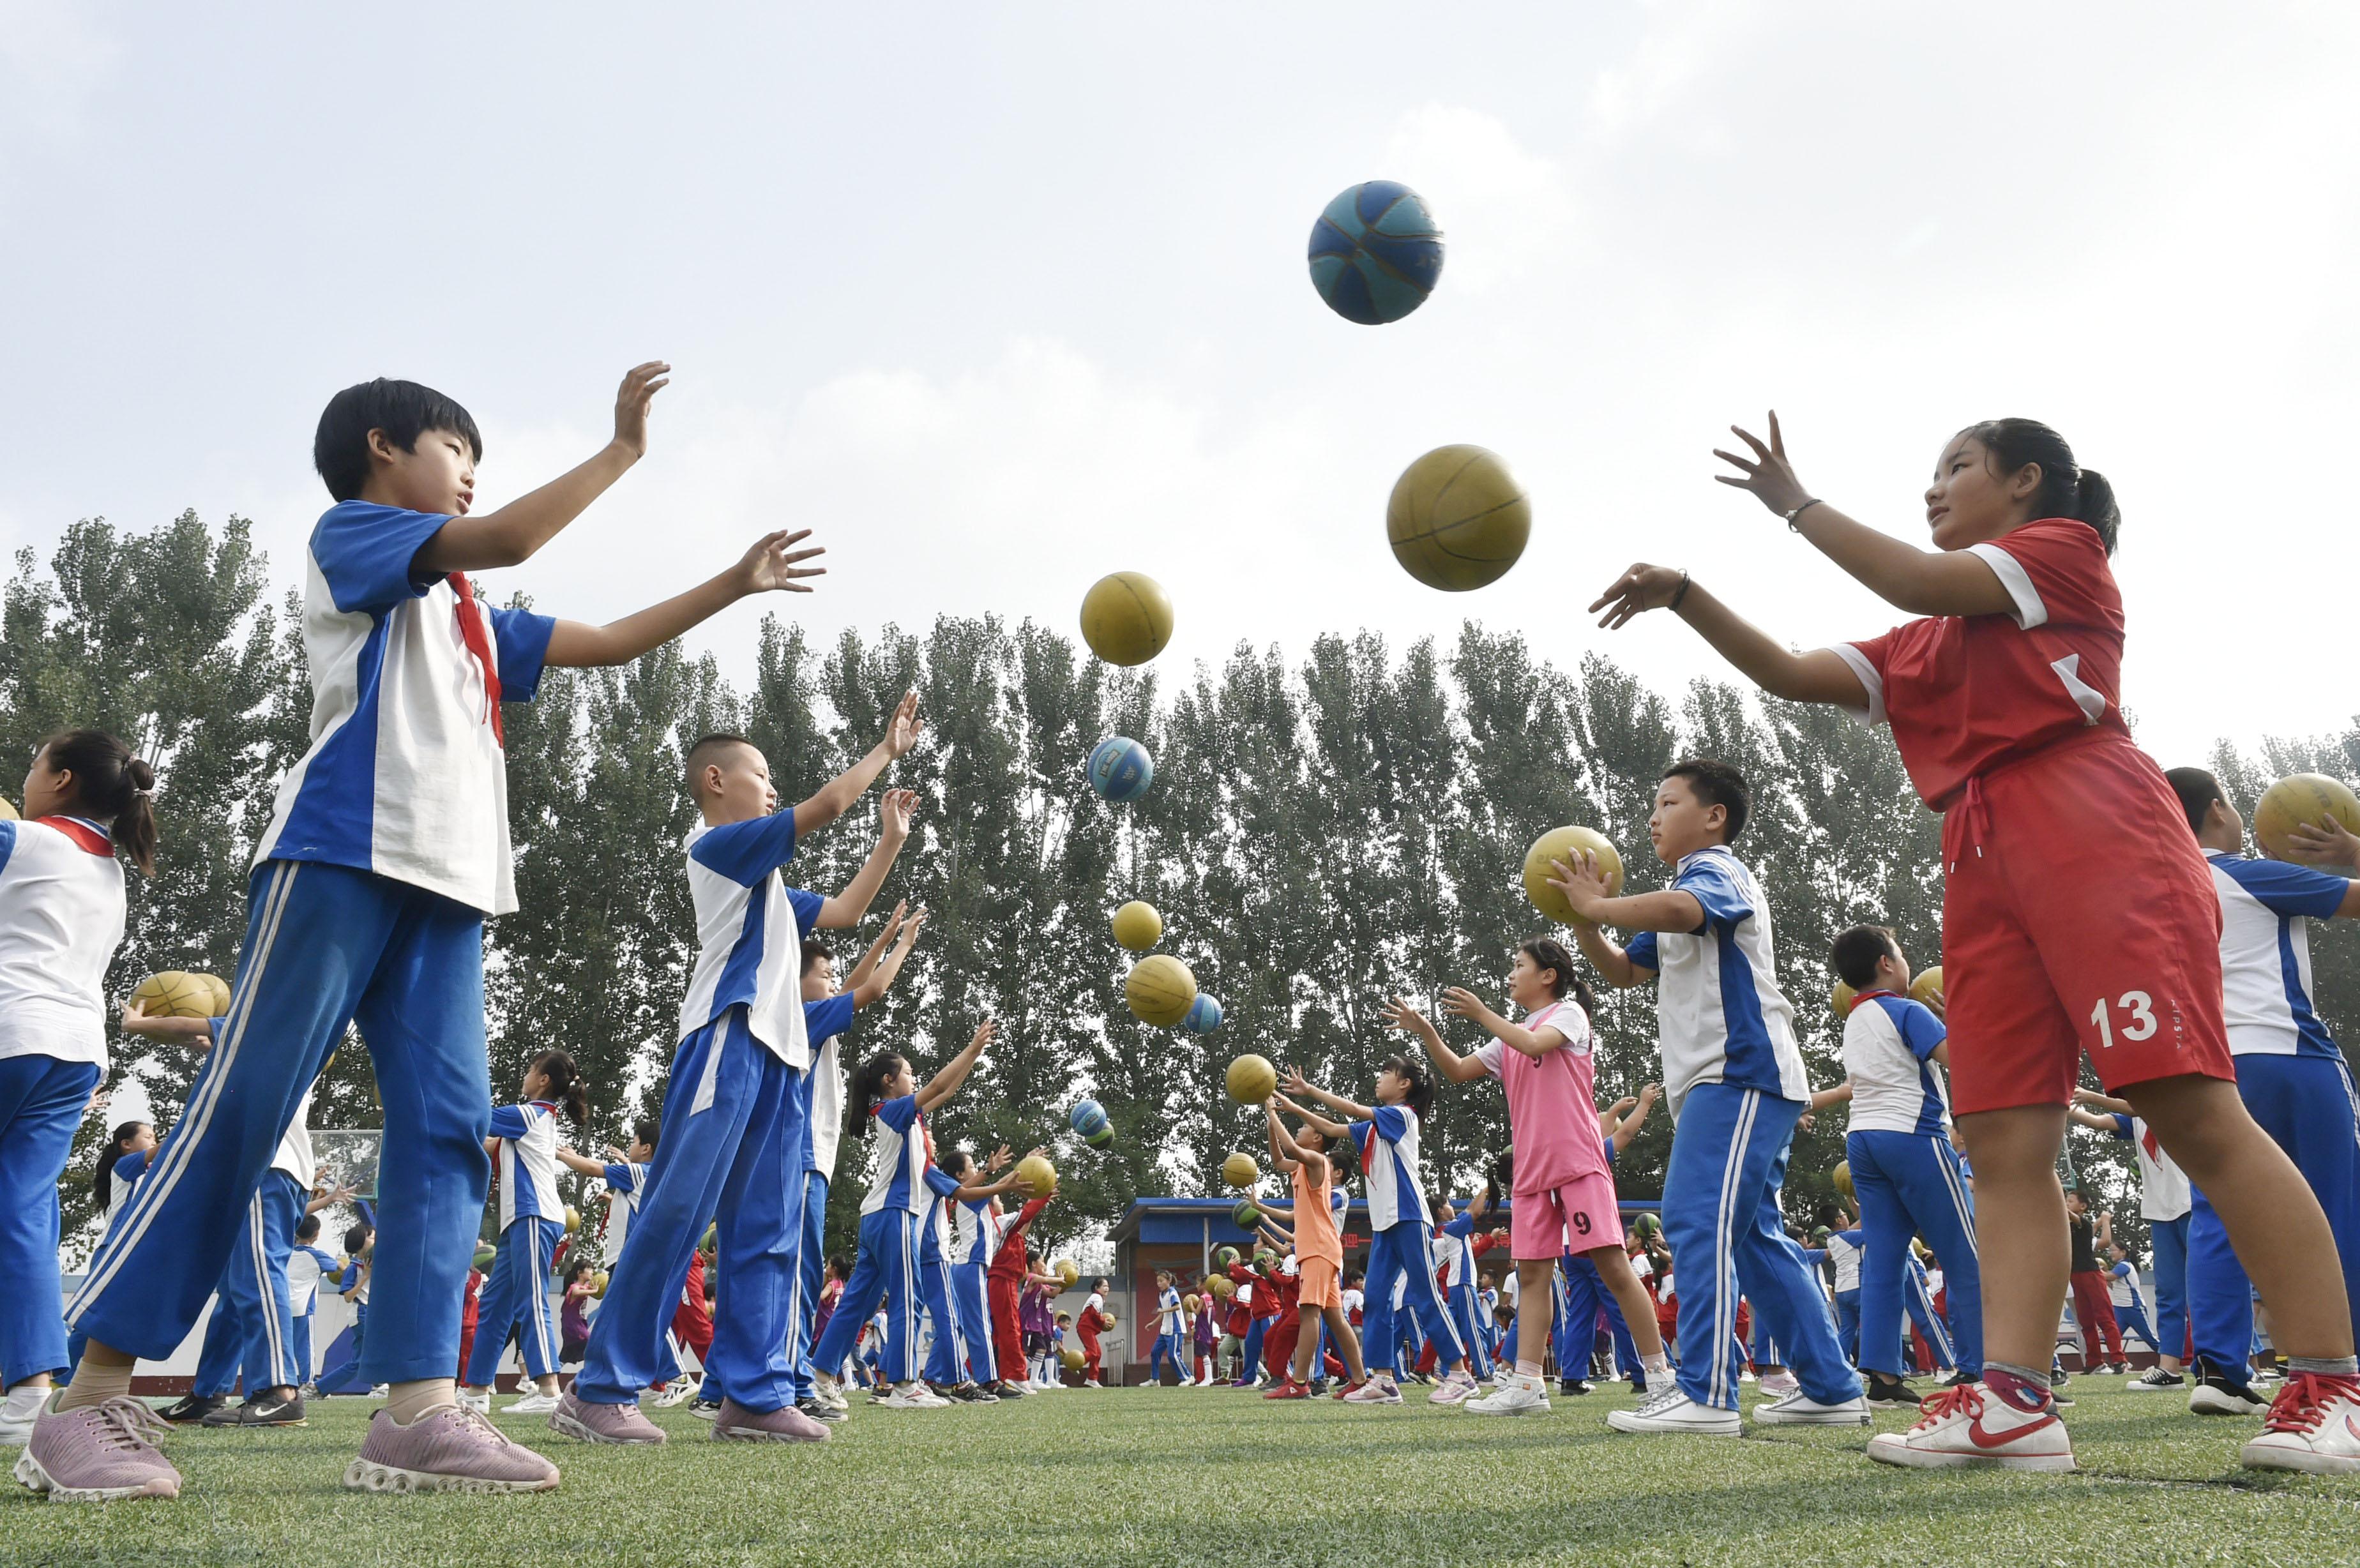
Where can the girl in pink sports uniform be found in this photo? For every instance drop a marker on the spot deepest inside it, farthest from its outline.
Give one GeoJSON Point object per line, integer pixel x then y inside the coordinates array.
{"type": "Point", "coordinates": [1565, 1200]}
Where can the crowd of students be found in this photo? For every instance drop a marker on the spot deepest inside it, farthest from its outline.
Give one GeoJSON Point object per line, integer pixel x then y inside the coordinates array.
{"type": "Point", "coordinates": [2093, 907]}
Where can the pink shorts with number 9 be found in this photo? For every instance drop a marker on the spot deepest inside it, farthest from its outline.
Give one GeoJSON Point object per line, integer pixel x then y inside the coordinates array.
{"type": "Point", "coordinates": [1580, 1216]}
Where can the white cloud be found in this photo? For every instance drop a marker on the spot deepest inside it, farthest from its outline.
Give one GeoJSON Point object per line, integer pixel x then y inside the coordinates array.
{"type": "Point", "coordinates": [1509, 212]}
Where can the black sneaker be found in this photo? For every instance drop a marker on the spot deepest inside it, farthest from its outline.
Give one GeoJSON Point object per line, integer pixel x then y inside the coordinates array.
{"type": "Point", "coordinates": [706, 1410]}
{"type": "Point", "coordinates": [1319, 1387]}
{"type": "Point", "coordinates": [2156, 1378]}
{"type": "Point", "coordinates": [2217, 1393]}
{"type": "Point", "coordinates": [965, 1393]}
{"type": "Point", "coordinates": [263, 1410]}
{"type": "Point", "coordinates": [1573, 1386]}
{"type": "Point", "coordinates": [192, 1408]}
{"type": "Point", "coordinates": [1886, 1392]}
{"type": "Point", "coordinates": [1000, 1390]}
{"type": "Point", "coordinates": [1960, 1379]}
{"type": "Point", "coordinates": [819, 1409]}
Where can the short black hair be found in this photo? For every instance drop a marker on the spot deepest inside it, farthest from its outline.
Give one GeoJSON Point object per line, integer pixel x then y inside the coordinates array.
{"type": "Point", "coordinates": [1716, 783]}
{"type": "Point", "coordinates": [2197, 790]}
{"type": "Point", "coordinates": [1858, 951]}
{"type": "Point", "coordinates": [403, 410]}
{"type": "Point", "coordinates": [813, 951]}
{"type": "Point", "coordinates": [647, 1130]}
{"type": "Point", "coordinates": [357, 1235]}
{"type": "Point", "coordinates": [307, 1227]}
{"type": "Point", "coordinates": [699, 755]}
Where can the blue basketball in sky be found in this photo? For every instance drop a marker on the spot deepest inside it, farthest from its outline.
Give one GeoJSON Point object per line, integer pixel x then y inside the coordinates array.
{"type": "Point", "coordinates": [1204, 1014]}
{"type": "Point", "coordinates": [1120, 769]}
{"type": "Point", "coordinates": [1090, 1118]}
{"type": "Point", "coordinates": [1376, 253]}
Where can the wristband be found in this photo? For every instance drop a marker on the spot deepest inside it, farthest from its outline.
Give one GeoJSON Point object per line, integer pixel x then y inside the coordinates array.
{"type": "Point", "coordinates": [1800, 511]}
{"type": "Point", "coordinates": [1680, 592]}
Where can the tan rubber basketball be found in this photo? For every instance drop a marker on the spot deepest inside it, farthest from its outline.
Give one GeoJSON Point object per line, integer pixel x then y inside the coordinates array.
{"type": "Point", "coordinates": [1159, 990]}
{"type": "Point", "coordinates": [1252, 1080]}
{"type": "Point", "coordinates": [2298, 799]}
{"type": "Point", "coordinates": [1127, 617]}
{"type": "Point", "coordinates": [1458, 519]}
{"type": "Point", "coordinates": [1239, 1170]}
{"type": "Point", "coordinates": [174, 994]}
{"type": "Point", "coordinates": [1563, 843]}
{"type": "Point", "coordinates": [1137, 926]}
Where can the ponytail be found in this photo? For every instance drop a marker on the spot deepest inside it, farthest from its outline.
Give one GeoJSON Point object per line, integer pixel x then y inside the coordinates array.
{"type": "Point", "coordinates": [113, 785]}
{"type": "Point", "coordinates": [1547, 952]}
{"type": "Point", "coordinates": [100, 1178]}
{"type": "Point", "coordinates": [1421, 1082]}
{"type": "Point", "coordinates": [565, 1084]}
{"type": "Point", "coordinates": [868, 1090]}
{"type": "Point", "coordinates": [2067, 489]}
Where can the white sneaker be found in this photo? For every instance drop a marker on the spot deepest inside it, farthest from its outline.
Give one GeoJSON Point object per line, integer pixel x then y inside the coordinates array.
{"type": "Point", "coordinates": [1800, 1409]}
{"type": "Point", "coordinates": [679, 1390]}
{"type": "Point", "coordinates": [1094, 1383]}
{"type": "Point", "coordinates": [1455, 1389]}
{"type": "Point", "coordinates": [1778, 1385]}
{"type": "Point", "coordinates": [1745, 1375]}
{"type": "Point", "coordinates": [2313, 1426]}
{"type": "Point", "coordinates": [914, 1397]}
{"type": "Point", "coordinates": [1969, 1427]}
{"type": "Point", "coordinates": [477, 1399]}
{"type": "Point", "coordinates": [1375, 1391]}
{"type": "Point", "coordinates": [1516, 1397]}
{"type": "Point", "coordinates": [534, 1404]}
{"type": "Point", "coordinates": [380, 1391]}
{"type": "Point", "coordinates": [833, 1398]}
{"type": "Point", "coordinates": [1673, 1411]}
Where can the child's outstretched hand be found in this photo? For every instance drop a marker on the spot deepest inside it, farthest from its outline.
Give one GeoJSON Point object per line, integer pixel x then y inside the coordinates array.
{"type": "Point", "coordinates": [1399, 1014]}
{"type": "Point", "coordinates": [2326, 843]}
{"type": "Point", "coordinates": [197, 1033]}
{"type": "Point", "coordinates": [989, 1027]}
{"type": "Point", "coordinates": [894, 810]}
{"type": "Point", "coordinates": [902, 732]}
{"type": "Point", "coordinates": [1294, 1082]}
{"type": "Point", "coordinates": [639, 389]}
{"type": "Point", "coordinates": [1640, 589]}
{"type": "Point", "coordinates": [1459, 1002]}
{"type": "Point", "coordinates": [772, 564]}
{"type": "Point", "coordinates": [1582, 881]}
{"type": "Point", "coordinates": [1769, 476]}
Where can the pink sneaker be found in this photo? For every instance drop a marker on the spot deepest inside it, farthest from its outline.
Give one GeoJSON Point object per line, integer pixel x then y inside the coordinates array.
{"type": "Point", "coordinates": [603, 1423]}
{"type": "Point", "coordinates": [1375, 1391]}
{"type": "Point", "coordinates": [2313, 1426]}
{"type": "Point", "coordinates": [452, 1449]}
{"type": "Point", "coordinates": [1968, 1426]}
{"type": "Point", "coordinates": [735, 1423]}
{"type": "Point", "coordinates": [97, 1453]}
{"type": "Point", "coordinates": [1455, 1389]}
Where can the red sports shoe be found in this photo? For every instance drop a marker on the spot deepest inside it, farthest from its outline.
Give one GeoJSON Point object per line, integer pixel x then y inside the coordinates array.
{"type": "Point", "coordinates": [1342, 1390]}
{"type": "Point", "coordinates": [1290, 1390]}
{"type": "Point", "coordinates": [1967, 1426]}
{"type": "Point", "coordinates": [2314, 1425]}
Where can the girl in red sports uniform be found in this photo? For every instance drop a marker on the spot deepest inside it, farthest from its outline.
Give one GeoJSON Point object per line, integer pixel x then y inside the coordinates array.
{"type": "Point", "coordinates": [2078, 913]}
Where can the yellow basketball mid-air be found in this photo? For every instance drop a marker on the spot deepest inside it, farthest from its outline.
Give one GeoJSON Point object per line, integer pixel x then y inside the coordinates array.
{"type": "Point", "coordinates": [1073, 1358]}
{"type": "Point", "coordinates": [1239, 1170]}
{"type": "Point", "coordinates": [1842, 1177]}
{"type": "Point", "coordinates": [1252, 1080]}
{"type": "Point", "coordinates": [1068, 1271]}
{"type": "Point", "coordinates": [1843, 996]}
{"type": "Point", "coordinates": [1159, 990]}
{"type": "Point", "coordinates": [1036, 1175]}
{"type": "Point", "coordinates": [1137, 926]}
{"type": "Point", "coordinates": [1928, 988]}
{"type": "Point", "coordinates": [1564, 844]}
{"type": "Point", "coordinates": [573, 1219]}
{"type": "Point", "coordinates": [174, 994]}
{"type": "Point", "coordinates": [1127, 617]}
{"type": "Point", "coordinates": [2298, 799]}
{"type": "Point", "coordinates": [1458, 519]}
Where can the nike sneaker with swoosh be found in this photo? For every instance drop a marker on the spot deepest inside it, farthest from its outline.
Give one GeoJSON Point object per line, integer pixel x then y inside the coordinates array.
{"type": "Point", "coordinates": [1968, 1427]}
{"type": "Point", "coordinates": [2313, 1426]}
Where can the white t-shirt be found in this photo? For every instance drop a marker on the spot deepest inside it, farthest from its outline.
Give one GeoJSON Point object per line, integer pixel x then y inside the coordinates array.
{"type": "Point", "coordinates": [826, 1119]}
{"type": "Point", "coordinates": [1843, 1251]}
{"type": "Point", "coordinates": [407, 775]}
{"type": "Point", "coordinates": [60, 921]}
{"type": "Point", "coordinates": [1723, 1018]}
{"type": "Point", "coordinates": [294, 1156]}
{"type": "Point", "coordinates": [1354, 1299]}
{"type": "Point", "coordinates": [303, 1271]}
{"type": "Point", "coordinates": [2164, 1193]}
{"type": "Point", "coordinates": [749, 931]}
{"type": "Point", "coordinates": [1888, 1056]}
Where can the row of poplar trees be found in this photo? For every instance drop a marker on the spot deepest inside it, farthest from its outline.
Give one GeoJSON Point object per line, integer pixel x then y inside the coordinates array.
{"type": "Point", "coordinates": [1322, 834]}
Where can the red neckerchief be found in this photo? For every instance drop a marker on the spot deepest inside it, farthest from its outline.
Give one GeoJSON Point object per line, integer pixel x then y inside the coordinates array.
{"type": "Point", "coordinates": [87, 836]}
{"type": "Point", "coordinates": [1864, 996]}
{"type": "Point", "coordinates": [479, 647]}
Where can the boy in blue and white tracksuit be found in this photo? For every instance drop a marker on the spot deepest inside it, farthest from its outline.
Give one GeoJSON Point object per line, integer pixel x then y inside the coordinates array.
{"type": "Point", "coordinates": [732, 1134]}
{"type": "Point", "coordinates": [306, 1267]}
{"type": "Point", "coordinates": [1735, 1080]}
{"type": "Point", "coordinates": [974, 1242]}
{"type": "Point", "coordinates": [385, 850]}
{"type": "Point", "coordinates": [1843, 1249]}
{"type": "Point", "coordinates": [2166, 1201]}
{"type": "Point", "coordinates": [532, 1222]}
{"type": "Point", "coordinates": [1903, 1169]}
{"type": "Point", "coordinates": [1460, 1292]}
{"type": "Point", "coordinates": [2291, 1073]}
{"type": "Point", "coordinates": [252, 1331]}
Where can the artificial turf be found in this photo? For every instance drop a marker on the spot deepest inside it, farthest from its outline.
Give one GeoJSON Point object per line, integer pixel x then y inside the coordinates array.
{"type": "Point", "coordinates": [1157, 1477]}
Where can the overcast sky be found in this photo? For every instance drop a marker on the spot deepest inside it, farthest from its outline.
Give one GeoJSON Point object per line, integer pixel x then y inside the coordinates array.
{"type": "Point", "coordinates": [999, 299]}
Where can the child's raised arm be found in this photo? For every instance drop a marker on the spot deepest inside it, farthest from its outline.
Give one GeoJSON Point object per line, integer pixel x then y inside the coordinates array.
{"type": "Point", "coordinates": [1584, 886]}
{"type": "Point", "coordinates": [835, 797]}
{"type": "Point", "coordinates": [1398, 1014]}
{"type": "Point", "coordinates": [870, 990]}
{"type": "Point", "coordinates": [769, 566]}
{"type": "Point", "coordinates": [1466, 1004]}
{"type": "Point", "coordinates": [2092, 1120]}
{"type": "Point", "coordinates": [894, 810]}
{"type": "Point", "coordinates": [1298, 1083]}
{"type": "Point", "coordinates": [945, 1083]}
{"type": "Point", "coordinates": [514, 533]}
{"type": "Point", "coordinates": [876, 954]}
{"type": "Point", "coordinates": [1285, 1152]}
{"type": "Point", "coordinates": [580, 1164]}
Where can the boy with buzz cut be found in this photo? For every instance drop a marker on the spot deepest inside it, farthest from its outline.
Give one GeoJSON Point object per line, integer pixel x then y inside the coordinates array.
{"type": "Point", "coordinates": [733, 1110]}
{"type": "Point", "coordinates": [1735, 1081]}
{"type": "Point", "coordinates": [388, 847]}
{"type": "Point", "coordinates": [1904, 1171]}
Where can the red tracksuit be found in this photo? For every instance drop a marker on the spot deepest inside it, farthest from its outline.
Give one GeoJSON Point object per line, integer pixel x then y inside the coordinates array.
{"type": "Point", "coordinates": [1004, 1280]}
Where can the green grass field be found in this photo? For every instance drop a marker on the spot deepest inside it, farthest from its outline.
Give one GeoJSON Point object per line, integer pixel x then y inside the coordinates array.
{"type": "Point", "coordinates": [1164, 1476]}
